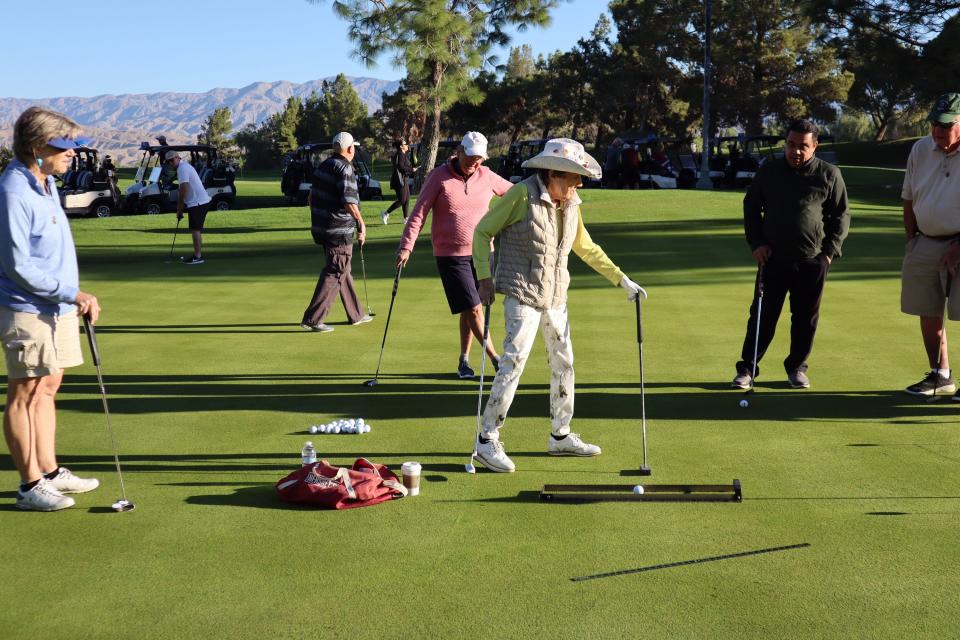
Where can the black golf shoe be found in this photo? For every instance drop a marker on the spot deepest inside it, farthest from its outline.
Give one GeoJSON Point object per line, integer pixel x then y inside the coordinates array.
{"type": "Point", "coordinates": [464, 370]}
{"type": "Point", "coordinates": [932, 384]}
{"type": "Point", "coordinates": [798, 380]}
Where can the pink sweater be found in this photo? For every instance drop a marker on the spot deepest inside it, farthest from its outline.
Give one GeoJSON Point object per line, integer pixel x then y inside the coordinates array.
{"type": "Point", "coordinates": [457, 205]}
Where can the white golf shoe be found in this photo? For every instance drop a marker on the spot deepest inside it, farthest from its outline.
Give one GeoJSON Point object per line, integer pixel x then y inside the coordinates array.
{"type": "Point", "coordinates": [491, 455]}
{"type": "Point", "coordinates": [43, 497]}
{"type": "Point", "coordinates": [384, 217]}
{"type": "Point", "coordinates": [67, 482]}
{"type": "Point", "coordinates": [572, 445]}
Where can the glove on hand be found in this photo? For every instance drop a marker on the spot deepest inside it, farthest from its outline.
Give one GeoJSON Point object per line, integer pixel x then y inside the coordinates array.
{"type": "Point", "coordinates": [633, 289]}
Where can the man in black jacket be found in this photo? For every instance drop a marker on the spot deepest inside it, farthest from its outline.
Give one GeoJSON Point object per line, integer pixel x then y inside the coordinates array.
{"type": "Point", "coordinates": [334, 215]}
{"type": "Point", "coordinates": [796, 217]}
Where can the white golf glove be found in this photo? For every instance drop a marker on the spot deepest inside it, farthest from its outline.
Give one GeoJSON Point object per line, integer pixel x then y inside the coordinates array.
{"type": "Point", "coordinates": [633, 289]}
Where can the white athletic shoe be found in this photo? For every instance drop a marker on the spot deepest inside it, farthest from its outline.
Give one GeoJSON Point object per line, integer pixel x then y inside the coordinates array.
{"type": "Point", "coordinates": [67, 482]}
{"type": "Point", "coordinates": [493, 457]}
{"type": "Point", "coordinates": [384, 217]}
{"type": "Point", "coordinates": [43, 497]}
{"type": "Point", "coordinates": [572, 445]}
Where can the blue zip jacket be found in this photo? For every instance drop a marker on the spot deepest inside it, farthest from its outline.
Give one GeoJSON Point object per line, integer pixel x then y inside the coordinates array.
{"type": "Point", "coordinates": [38, 260]}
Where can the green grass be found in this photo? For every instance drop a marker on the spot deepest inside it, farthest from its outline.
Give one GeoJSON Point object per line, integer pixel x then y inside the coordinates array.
{"type": "Point", "coordinates": [212, 386]}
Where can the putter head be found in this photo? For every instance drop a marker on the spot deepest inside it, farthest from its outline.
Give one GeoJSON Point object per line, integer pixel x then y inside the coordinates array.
{"type": "Point", "coordinates": [370, 383]}
{"type": "Point", "coordinates": [122, 505]}
{"type": "Point", "coordinates": [645, 470]}
{"type": "Point", "coordinates": [469, 468]}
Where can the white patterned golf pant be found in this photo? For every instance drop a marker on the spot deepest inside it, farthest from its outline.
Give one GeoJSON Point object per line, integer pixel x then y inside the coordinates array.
{"type": "Point", "coordinates": [522, 322]}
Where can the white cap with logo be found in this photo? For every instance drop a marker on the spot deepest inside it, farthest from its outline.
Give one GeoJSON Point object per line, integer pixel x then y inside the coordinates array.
{"type": "Point", "coordinates": [474, 144]}
{"type": "Point", "coordinates": [342, 140]}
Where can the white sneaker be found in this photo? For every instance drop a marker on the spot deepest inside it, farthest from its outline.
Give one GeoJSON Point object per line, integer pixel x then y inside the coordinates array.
{"type": "Point", "coordinates": [493, 457]}
{"type": "Point", "coordinates": [384, 217]}
{"type": "Point", "coordinates": [43, 497]}
{"type": "Point", "coordinates": [572, 445]}
{"type": "Point", "coordinates": [67, 482]}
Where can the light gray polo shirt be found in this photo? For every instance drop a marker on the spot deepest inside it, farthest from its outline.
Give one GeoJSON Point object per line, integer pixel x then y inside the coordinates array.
{"type": "Point", "coordinates": [932, 183]}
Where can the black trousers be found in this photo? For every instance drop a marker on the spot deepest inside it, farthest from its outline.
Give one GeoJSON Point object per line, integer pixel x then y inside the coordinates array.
{"type": "Point", "coordinates": [803, 281]}
{"type": "Point", "coordinates": [403, 199]}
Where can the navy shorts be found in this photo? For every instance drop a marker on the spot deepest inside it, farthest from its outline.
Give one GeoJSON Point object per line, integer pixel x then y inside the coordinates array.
{"type": "Point", "coordinates": [459, 282]}
{"type": "Point", "coordinates": [197, 215]}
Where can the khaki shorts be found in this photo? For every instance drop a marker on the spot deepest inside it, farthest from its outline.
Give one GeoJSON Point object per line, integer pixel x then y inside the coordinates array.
{"type": "Point", "coordinates": [923, 281]}
{"type": "Point", "coordinates": [39, 345]}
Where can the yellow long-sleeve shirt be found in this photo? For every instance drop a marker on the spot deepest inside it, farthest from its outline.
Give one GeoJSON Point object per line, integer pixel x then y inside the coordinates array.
{"type": "Point", "coordinates": [511, 209]}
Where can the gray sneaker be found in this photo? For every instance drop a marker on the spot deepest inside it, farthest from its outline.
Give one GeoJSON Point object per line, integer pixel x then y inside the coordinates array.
{"type": "Point", "coordinates": [67, 482]}
{"type": "Point", "coordinates": [323, 328]}
{"type": "Point", "coordinates": [742, 381]}
{"type": "Point", "coordinates": [932, 384]}
{"type": "Point", "coordinates": [43, 497]}
{"type": "Point", "coordinates": [798, 379]}
{"type": "Point", "coordinates": [364, 319]}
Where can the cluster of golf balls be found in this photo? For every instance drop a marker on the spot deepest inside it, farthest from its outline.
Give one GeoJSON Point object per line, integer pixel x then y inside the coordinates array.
{"type": "Point", "coordinates": [342, 426]}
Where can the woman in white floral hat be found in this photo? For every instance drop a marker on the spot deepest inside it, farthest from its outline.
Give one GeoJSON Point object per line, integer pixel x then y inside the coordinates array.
{"type": "Point", "coordinates": [538, 223]}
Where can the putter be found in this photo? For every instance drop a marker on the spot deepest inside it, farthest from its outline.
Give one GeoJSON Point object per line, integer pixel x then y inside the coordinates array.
{"type": "Point", "coordinates": [483, 365]}
{"type": "Point", "coordinates": [393, 296]}
{"type": "Point", "coordinates": [363, 266]}
{"type": "Point", "coordinates": [756, 333]}
{"type": "Point", "coordinates": [122, 504]}
{"type": "Point", "coordinates": [172, 244]}
{"type": "Point", "coordinates": [644, 468]}
{"type": "Point", "coordinates": [943, 334]}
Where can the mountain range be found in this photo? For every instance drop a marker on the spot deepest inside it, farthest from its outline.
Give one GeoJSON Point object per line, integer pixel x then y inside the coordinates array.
{"type": "Point", "coordinates": [118, 123]}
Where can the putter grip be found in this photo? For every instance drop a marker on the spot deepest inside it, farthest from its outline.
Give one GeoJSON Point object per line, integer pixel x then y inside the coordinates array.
{"type": "Point", "coordinates": [396, 281]}
{"type": "Point", "coordinates": [639, 321]}
{"type": "Point", "coordinates": [91, 340]}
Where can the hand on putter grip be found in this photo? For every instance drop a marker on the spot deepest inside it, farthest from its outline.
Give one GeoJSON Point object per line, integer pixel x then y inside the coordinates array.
{"type": "Point", "coordinates": [87, 305]}
{"type": "Point", "coordinates": [633, 289]}
{"type": "Point", "coordinates": [486, 291]}
{"type": "Point", "coordinates": [762, 254]}
{"type": "Point", "coordinates": [402, 256]}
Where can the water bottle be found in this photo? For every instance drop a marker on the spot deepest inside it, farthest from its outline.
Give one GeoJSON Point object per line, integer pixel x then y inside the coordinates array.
{"type": "Point", "coordinates": [308, 454]}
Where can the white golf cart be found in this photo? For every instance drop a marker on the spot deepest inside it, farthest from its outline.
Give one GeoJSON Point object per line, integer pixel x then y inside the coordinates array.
{"type": "Point", "coordinates": [295, 181]}
{"type": "Point", "coordinates": [155, 189]}
{"type": "Point", "coordinates": [89, 187]}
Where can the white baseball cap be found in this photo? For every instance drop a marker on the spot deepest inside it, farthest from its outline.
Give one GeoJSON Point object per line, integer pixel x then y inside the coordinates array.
{"type": "Point", "coordinates": [474, 144]}
{"type": "Point", "coordinates": [343, 140]}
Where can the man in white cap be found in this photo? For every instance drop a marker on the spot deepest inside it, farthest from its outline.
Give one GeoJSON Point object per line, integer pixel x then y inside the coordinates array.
{"type": "Point", "coordinates": [538, 223]}
{"type": "Point", "coordinates": [334, 202]}
{"type": "Point", "coordinates": [459, 193]}
{"type": "Point", "coordinates": [193, 197]}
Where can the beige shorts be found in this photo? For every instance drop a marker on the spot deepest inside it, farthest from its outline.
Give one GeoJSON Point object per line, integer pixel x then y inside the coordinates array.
{"type": "Point", "coordinates": [923, 281]}
{"type": "Point", "coordinates": [39, 345]}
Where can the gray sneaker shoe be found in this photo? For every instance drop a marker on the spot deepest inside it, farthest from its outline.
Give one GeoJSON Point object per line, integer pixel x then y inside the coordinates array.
{"type": "Point", "coordinates": [491, 455]}
{"type": "Point", "coordinates": [43, 497]}
{"type": "Point", "coordinates": [322, 328]}
{"type": "Point", "coordinates": [365, 318]}
{"type": "Point", "coordinates": [67, 482]}
{"type": "Point", "coordinates": [572, 445]}
{"type": "Point", "coordinates": [743, 380]}
{"type": "Point", "coordinates": [798, 379]}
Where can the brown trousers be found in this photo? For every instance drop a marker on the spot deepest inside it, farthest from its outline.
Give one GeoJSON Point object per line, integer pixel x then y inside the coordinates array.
{"type": "Point", "coordinates": [334, 279]}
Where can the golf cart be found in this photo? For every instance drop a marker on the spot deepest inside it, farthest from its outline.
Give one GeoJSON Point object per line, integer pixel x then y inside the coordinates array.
{"type": "Point", "coordinates": [736, 167]}
{"type": "Point", "coordinates": [684, 160]}
{"type": "Point", "coordinates": [155, 189]}
{"type": "Point", "coordinates": [89, 188]}
{"type": "Point", "coordinates": [764, 148]}
{"type": "Point", "coordinates": [521, 151]}
{"type": "Point", "coordinates": [655, 170]}
{"type": "Point", "coordinates": [827, 155]}
{"type": "Point", "coordinates": [295, 181]}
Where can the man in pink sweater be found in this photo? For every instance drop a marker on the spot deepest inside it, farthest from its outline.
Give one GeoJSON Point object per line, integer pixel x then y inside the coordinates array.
{"type": "Point", "coordinates": [459, 193]}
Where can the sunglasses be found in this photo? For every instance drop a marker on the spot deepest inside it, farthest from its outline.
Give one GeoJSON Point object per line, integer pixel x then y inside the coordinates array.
{"type": "Point", "coordinates": [946, 126]}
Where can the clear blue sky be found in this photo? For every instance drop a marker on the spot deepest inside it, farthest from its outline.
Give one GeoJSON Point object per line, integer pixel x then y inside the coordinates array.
{"type": "Point", "coordinates": [119, 46]}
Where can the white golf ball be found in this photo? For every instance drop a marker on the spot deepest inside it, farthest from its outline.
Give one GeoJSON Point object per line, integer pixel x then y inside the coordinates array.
{"type": "Point", "coordinates": [314, 428]}
{"type": "Point", "coordinates": [336, 428]}
{"type": "Point", "coordinates": [360, 421]}
{"type": "Point", "coordinates": [744, 404]}
{"type": "Point", "coordinates": [351, 422]}
{"type": "Point", "coordinates": [638, 490]}
{"type": "Point", "coordinates": [367, 428]}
